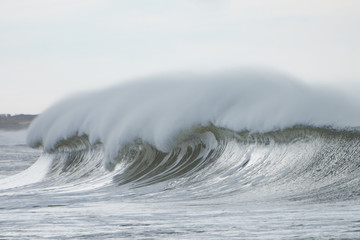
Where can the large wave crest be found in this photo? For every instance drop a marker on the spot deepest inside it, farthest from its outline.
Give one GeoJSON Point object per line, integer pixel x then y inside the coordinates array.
{"type": "Point", "coordinates": [158, 110]}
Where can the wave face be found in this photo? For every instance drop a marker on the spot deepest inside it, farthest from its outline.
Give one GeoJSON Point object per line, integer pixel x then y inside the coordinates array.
{"type": "Point", "coordinates": [159, 111]}
{"type": "Point", "coordinates": [299, 163]}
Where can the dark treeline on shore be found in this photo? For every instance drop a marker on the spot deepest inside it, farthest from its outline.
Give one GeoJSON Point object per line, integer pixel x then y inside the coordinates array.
{"type": "Point", "coordinates": [15, 122]}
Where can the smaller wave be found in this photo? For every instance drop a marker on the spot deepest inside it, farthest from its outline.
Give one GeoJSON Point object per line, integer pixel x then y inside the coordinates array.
{"type": "Point", "coordinates": [9, 138]}
{"type": "Point", "coordinates": [35, 173]}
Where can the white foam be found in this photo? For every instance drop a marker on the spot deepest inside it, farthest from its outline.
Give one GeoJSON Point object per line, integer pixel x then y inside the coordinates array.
{"type": "Point", "coordinates": [158, 108]}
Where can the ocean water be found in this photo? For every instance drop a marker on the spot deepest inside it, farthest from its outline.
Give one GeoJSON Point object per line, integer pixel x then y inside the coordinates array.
{"type": "Point", "coordinates": [232, 156]}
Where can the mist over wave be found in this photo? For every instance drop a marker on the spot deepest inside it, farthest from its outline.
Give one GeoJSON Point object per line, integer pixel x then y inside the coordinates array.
{"type": "Point", "coordinates": [160, 110]}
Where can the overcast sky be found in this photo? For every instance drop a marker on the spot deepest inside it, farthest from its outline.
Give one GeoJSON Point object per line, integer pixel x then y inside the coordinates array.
{"type": "Point", "coordinates": [52, 48]}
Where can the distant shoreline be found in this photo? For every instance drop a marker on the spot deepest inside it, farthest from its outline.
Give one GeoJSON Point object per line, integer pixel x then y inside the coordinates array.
{"type": "Point", "coordinates": [15, 122]}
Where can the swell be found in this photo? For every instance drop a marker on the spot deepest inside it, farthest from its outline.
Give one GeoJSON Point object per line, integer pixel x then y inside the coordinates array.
{"type": "Point", "coordinates": [298, 163]}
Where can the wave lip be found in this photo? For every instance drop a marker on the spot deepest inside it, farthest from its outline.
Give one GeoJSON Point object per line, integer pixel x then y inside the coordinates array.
{"type": "Point", "coordinates": [157, 111]}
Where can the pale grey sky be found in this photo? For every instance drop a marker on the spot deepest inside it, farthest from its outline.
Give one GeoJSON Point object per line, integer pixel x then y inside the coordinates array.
{"type": "Point", "coordinates": [52, 48]}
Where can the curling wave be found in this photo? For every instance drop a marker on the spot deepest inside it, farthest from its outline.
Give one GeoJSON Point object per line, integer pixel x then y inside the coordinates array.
{"type": "Point", "coordinates": [261, 135]}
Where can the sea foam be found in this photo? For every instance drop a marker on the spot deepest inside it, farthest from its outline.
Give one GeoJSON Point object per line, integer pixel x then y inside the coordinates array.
{"type": "Point", "coordinates": [158, 109]}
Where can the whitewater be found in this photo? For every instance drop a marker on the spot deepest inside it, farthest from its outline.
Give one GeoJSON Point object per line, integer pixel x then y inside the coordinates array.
{"type": "Point", "coordinates": [228, 155]}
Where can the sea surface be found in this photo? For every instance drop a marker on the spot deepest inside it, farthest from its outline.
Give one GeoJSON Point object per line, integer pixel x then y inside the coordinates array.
{"type": "Point", "coordinates": [304, 188]}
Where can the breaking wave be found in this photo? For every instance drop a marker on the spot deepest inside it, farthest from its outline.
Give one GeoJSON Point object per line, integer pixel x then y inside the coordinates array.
{"type": "Point", "coordinates": [258, 135]}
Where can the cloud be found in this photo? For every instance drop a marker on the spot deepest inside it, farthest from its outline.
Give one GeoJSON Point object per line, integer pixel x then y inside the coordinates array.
{"type": "Point", "coordinates": [23, 11]}
{"type": "Point", "coordinates": [89, 43]}
{"type": "Point", "coordinates": [284, 8]}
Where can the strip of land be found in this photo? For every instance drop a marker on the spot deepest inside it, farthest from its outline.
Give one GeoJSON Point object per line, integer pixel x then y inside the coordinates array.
{"type": "Point", "coordinates": [15, 122]}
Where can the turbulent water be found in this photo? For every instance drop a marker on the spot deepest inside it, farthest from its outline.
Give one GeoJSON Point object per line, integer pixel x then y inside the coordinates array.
{"type": "Point", "coordinates": [245, 158]}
